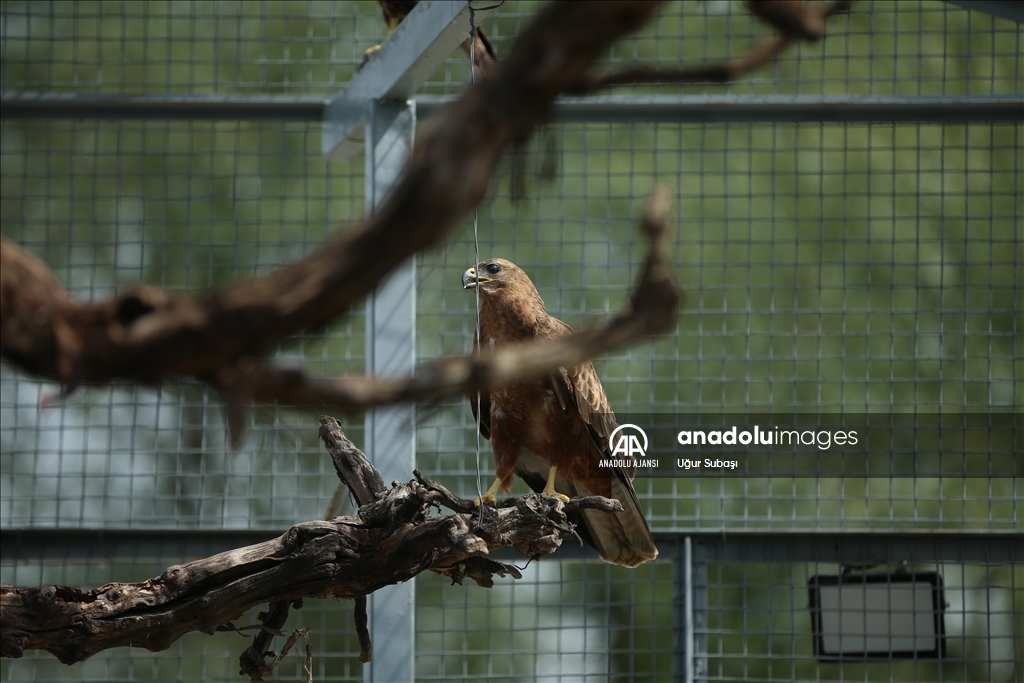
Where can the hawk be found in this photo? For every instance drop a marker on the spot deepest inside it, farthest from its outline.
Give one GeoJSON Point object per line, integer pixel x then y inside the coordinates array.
{"type": "Point", "coordinates": [552, 432]}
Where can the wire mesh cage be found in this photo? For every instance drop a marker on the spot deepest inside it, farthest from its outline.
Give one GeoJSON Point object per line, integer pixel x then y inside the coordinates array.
{"type": "Point", "coordinates": [830, 264]}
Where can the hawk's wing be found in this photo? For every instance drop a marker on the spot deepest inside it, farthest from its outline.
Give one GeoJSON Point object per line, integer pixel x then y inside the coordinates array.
{"type": "Point", "coordinates": [623, 537]}
{"type": "Point", "coordinates": [579, 389]}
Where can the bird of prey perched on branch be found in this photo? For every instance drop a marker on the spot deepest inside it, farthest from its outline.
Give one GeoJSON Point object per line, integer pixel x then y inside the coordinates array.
{"type": "Point", "coordinates": [396, 10]}
{"type": "Point", "coordinates": [552, 432]}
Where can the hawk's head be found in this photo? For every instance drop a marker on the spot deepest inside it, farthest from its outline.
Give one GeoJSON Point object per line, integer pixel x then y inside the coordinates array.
{"type": "Point", "coordinates": [496, 275]}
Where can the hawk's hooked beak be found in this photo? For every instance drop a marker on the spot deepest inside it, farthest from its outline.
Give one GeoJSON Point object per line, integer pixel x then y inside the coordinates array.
{"type": "Point", "coordinates": [470, 279]}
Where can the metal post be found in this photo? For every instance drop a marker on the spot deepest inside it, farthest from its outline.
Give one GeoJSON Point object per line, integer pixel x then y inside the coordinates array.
{"type": "Point", "coordinates": [374, 108]}
{"type": "Point", "coordinates": [391, 350]}
{"type": "Point", "coordinates": [690, 605]}
{"type": "Point", "coordinates": [699, 608]}
{"type": "Point", "coordinates": [682, 613]}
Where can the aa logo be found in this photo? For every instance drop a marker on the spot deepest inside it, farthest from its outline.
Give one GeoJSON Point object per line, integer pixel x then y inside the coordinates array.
{"type": "Point", "coordinates": [625, 441]}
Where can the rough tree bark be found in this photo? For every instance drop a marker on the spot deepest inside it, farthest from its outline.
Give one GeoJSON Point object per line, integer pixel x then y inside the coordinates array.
{"type": "Point", "coordinates": [392, 538]}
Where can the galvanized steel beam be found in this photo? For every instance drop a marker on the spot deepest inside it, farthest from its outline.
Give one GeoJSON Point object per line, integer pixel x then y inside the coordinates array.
{"type": "Point", "coordinates": [615, 109]}
{"type": "Point", "coordinates": [425, 38]}
{"type": "Point", "coordinates": [391, 351]}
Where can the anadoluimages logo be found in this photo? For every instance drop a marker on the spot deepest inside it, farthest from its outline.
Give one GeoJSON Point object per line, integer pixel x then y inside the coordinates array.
{"type": "Point", "coordinates": [628, 442]}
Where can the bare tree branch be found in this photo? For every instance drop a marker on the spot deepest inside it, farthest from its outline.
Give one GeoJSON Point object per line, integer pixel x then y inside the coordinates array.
{"type": "Point", "coordinates": [794, 19]}
{"type": "Point", "coordinates": [362, 630]}
{"type": "Point", "coordinates": [149, 335]}
{"type": "Point", "coordinates": [391, 539]}
{"type": "Point", "coordinates": [253, 660]}
{"type": "Point", "coordinates": [652, 309]}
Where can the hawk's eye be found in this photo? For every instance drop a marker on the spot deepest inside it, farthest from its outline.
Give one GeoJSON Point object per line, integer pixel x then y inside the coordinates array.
{"type": "Point", "coordinates": [493, 268]}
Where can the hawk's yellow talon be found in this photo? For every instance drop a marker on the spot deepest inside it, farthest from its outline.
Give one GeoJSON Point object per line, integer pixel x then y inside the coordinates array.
{"type": "Point", "coordinates": [491, 497]}
{"type": "Point", "coordinates": [560, 496]}
{"type": "Point", "coordinates": [549, 490]}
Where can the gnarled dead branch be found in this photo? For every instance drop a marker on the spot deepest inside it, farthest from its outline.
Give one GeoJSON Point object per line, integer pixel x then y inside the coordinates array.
{"type": "Point", "coordinates": [392, 538]}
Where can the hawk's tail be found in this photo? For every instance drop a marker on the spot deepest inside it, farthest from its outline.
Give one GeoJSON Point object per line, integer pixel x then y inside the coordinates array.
{"type": "Point", "coordinates": [619, 537]}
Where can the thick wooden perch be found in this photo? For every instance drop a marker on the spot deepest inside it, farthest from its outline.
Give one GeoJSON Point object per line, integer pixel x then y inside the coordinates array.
{"type": "Point", "coordinates": [393, 538]}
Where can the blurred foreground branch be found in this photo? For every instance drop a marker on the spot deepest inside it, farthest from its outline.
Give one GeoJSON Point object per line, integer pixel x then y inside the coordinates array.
{"type": "Point", "coordinates": [653, 308]}
{"type": "Point", "coordinates": [149, 335]}
{"type": "Point", "coordinates": [792, 19]}
{"type": "Point", "coordinates": [391, 539]}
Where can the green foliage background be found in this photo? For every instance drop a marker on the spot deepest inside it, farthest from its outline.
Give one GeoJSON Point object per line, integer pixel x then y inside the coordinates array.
{"type": "Point", "coordinates": [832, 267]}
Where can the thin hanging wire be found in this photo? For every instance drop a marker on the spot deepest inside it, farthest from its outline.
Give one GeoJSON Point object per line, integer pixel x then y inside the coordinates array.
{"type": "Point", "coordinates": [476, 264]}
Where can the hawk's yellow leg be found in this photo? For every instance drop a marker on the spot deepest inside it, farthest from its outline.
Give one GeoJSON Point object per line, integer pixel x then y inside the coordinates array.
{"type": "Point", "coordinates": [491, 497]}
{"type": "Point", "coordinates": [549, 490]}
